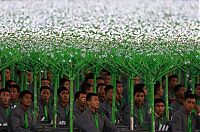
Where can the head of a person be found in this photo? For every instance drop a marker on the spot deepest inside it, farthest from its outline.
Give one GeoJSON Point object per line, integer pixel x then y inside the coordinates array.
{"type": "Point", "coordinates": [189, 102]}
{"type": "Point", "coordinates": [107, 79]}
{"type": "Point", "coordinates": [63, 94]}
{"type": "Point", "coordinates": [45, 94]}
{"type": "Point", "coordinates": [158, 90]}
{"type": "Point", "coordinates": [103, 72]}
{"type": "Point", "coordinates": [197, 89]}
{"type": "Point", "coordinates": [80, 99]}
{"type": "Point", "coordinates": [8, 74]}
{"type": "Point", "coordinates": [109, 92]}
{"type": "Point", "coordinates": [14, 92]}
{"type": "Point", "coordinates": [87, 87]}
{"type": "Point", "coordinates": [93, 101]}
{"type": "Point", "coordinates": [29, 76]}
{"type": "Point", "coordinates": [100, 80]}
{"type": "Point", "coordinates": [89, 78]}
{"type": "Point", "coordinates": [101, 89]}
{"type": "Point", "coordinates": [45, 82]}
{"type": "Point", "coordinates": [119, 88]}
{"type": "Point", "coordinates": [8, 83]}
{"type": "Point", "coordinates": [142, 86]}
{"type": "Point", "coordinates": [136, 80]}
{"type": "Point", "coordinates": [5, 97]}
{"type": "Point", "coordinates": [173, 81]}
{"type": "Point", "coordinates": [179, 91]}
{"type": "Point", "coordinates": [64, 82]}
{"type": "Point", "coordinates": [159, 105]}
{"type": "Point", "coordinates": [139, 95]}
{"type": "Point", "coordinates": [25, 98]}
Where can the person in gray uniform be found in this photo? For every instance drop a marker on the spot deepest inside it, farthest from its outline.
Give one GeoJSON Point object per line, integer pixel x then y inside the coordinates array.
{"type": "Point", "coordinates": [22, 117]}
{"type": "Point", "coordinates": [80, 103]}
{"type": "Point", "coordinates": [179, 91]}
{"type": "Point", "coordinates": [63, 107]}
{"type": "Point", "coordinates": [5, 109]}
{"type": "Point", "coordinates": [92, 120]}
{"type": "Point", "coordinates": [140, 109]}
{"type": "Point", "coordinates": [186, 116]}
{"type": "Point", "coordinates": [14, 95]}
{"type": "Point", "coordinates": [44, 105]}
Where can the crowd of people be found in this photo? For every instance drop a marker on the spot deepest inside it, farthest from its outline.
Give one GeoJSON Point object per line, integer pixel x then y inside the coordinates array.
{"type": "Point", "coordinates": [92, 112]}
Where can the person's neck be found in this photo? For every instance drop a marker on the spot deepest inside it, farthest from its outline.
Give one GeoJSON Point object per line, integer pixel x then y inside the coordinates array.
{"type": "Point", "coordinates": [14, 100]}
{"type": "Point", "coordinates": [64, 104]}
{"type": "Point", "coordinates": [158, 115]}
{"type": "Point", "coordinates": [156, 96]}
{"type": "Point", "coordinates": [109, 102]}
{"type": "Point", "coordinates": [5, 106]}
{"type": "Point", "coordinates": [24, 107]}
{"type": "Point", "coordinates": [80, 107]}
{"type": "Point", "coordinates": [92, 109]}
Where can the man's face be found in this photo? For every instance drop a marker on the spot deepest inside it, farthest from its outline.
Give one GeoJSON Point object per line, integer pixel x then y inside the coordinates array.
{"type": "Point", "coordinates": [159, 108]}
{"type": "Point", "coordinates": [29, 77]}
{"type": "Point", "coordinates": [91, 81]}
{"type": "Point", "coordinates": [94, 103]}
{"type": "Point", "coordinates": [139, 98]}
{"type": "Point", "coordinates": [46, 83]}
{"type": "Point", "coordinates": [45, 95]}
{"type": "Point", "coordinates": [189, 104]}
{"type": "Point", "coordinates": [5, 98]}
{"type": "Point", "coordinates": [14, 94]}
{"type": "Point", "coordinates": [197, 92]}
{"type": "Point", "coordinates": [107, 79]}
{"type": "Point", "coordinates": [82, 100]}
{"type": "Point", "coordinates": [145, 91]}
{"type": "Point", "coordinates": [89, 90]}
{"type": "Point", "coordinates": [64, 96]}
{"type": "Point", "coordinates": [67, 85]}
{"type": "Point", "coordinates": [26, 100]}
{"type": "Point", "coordinates": [136, 80]}
{"type": "Point", "coordinates": [181, 92]}
{"type": "Point", "coordinates": [160, 91]}
{"type": "Point", "coordinates": [101, 91]}
{"type": "Point", "coordinates": [8, 75]}
{"type": "Point", "coordinates": [109, 95]}
{"type": "Point", "coordinates": [173, 82]}
{"type": "Point", "coordinates": [100, 81]}
{"type": "Point", "coordinates": [119, 88]}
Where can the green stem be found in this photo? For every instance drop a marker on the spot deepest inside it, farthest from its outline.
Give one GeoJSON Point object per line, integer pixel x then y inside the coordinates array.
{"type": "Point", "coordinates": [193, 84]}
{"type": "Point", "coordinates": [25, 80]}
{"type": "Point", "coordinates": [95, 82]}
{"type": "Point", "coordinates": [39, 82]}
{"type": "Point", "coordinates": [113, 118]}
{"type": "Point", "coordinates": [179, 75]}
{"type": "Point", "coordinates": [131, 87]}
{"type": "Point", "coordinates": [22, 81]}
{"type": "Point", "coordinates": [166, 97]}
{"type": "Point", "coordinates": [4, 78]}
{"type": "Point", "coordinates": [78, 83]}
{"type": "Point", "coordinates": [198, 77]}
{"type": "Point", "coordinates": [152, 106]}
{"type": "Point", "coordinates": [45, 73]}
{"type": "Point", "coordinates": [185, 80]}
{"type": "Point", "coordinates": [71, 101]}
{"type": "Point", "coordinates": [12, 67]}
{"type": "Point", "coordinates": [35, 96]}
{"type": "Point", "coordinates": [55, 78]}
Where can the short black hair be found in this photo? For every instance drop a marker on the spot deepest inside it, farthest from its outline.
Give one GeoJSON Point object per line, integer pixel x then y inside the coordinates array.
{"type": "Point", "coordinates": [197, 85]}
{"type": "Point", "coordinates": [190, 96]}
{"type": "Point", "coordinates": [77, 95]}
{"type": "Point", "coordinates": [4, 90]}
{"type": "Point", "coordinates": [89, 76]}
{"type": "Point", "coordinates": [172, 76]}
{"type": "Point", "coordinates": [90, 95]}
{"type": "Point", "coordinates": [100, 84]}
{"type": "Point", "coordinates": [43, 79]}
{"type": "Point", "coordinates": [118, 82]}
{"type": "Point", "coordinates": [139, 88]}
{"type": "Point", "coordinates": [63, 80]}
{"type": "Point", "coordinates": [98, 78]}
{"type": "Point", "coordinates": [44, 87]}
{"type": "Point", "coordinates": [177, 87]}
{"type": "Point", "coordinates": [156, 87]}
{"type": "Point", "coordinates": [85, 86]}
{"type": "Point", "coordinates": [15, 86]}
{"type": "Point", "coordinates": [159, 100]}
{"type": "Point", "coordinates": [108, 88]}
{"type": "Point", "coordinates": [24, 92]}
{"type": "Point", "coordinates": [8, 83]}
{"type": "Point", "coordinates": [61, 89]}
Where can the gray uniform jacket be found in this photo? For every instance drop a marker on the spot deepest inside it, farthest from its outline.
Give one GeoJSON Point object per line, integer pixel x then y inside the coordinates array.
{"type": "Point", "coordinates": [17, 120]}
{"type": "Point", "coordinates": [41, 113]}
{"type": "Point", "coordinates": [86, 123]}
{"type": "Point", "coordinates": [77, 111]}
{"type": "Point", "coordinates": [175, 106]}
{"type": "Point", "coordinates": [126, 116]}
{"type": "Point", "coordinates": [180, 121]}
{"type": "Point", "coordinates": [3, 115]}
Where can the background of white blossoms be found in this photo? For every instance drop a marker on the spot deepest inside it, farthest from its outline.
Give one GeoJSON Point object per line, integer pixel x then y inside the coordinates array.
{"type": "Point", "coordinates": [144, 26]}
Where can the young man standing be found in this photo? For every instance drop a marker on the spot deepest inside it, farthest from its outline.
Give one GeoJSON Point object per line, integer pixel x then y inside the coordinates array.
{"type": "Point", "coordinates": [5, 109]}
{"type": "Point", "coordinates": [91, 120]}
{"type": "Point", "coordinates": [80, 104]}
{"type": "Point", "coordinates": [101, 92]}
{"type": "Point", "coordinates": [120, 100]}
{"type": "Point", "coordinates": [21, 117]}
{"type": "Point", "coordinates": [14, 95]}
{"type": "Point", "coordinates": [184, 120]}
